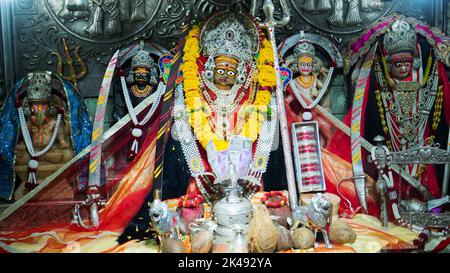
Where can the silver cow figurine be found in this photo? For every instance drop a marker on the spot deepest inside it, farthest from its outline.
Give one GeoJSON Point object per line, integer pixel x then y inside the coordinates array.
{"type": "Point", "coordinates": [315, 216]}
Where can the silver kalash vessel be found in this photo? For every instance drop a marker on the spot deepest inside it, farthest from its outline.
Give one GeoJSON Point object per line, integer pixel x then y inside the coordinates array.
{"type": "Point", "coordinates": [233, 211]}
{"type": "Point", "coordinates": [232, 214]}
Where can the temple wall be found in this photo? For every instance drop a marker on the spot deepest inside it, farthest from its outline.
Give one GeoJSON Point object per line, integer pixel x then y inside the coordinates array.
{"type": "Point", "coordinates": [32, 29]}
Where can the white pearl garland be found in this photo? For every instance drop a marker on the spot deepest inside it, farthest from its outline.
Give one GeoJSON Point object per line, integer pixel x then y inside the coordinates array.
{"type": "Point", "coordinates": [307, 116]}
{"type": "Point", "coordinates": [137, 132]}
{"type": "Point", "coordinates": [33, 164]}
{"type": "Point", "coordinates": [298, 90]}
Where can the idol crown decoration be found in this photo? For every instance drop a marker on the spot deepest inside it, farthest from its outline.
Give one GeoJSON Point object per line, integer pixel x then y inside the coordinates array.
{"type": "Point", "coordinates": [230, 38]}
{"type": "Point", "coordinates": [304, 48]}
{"type": "Point", "coordinates": [39, 86]}
{"type": "Point", "coordinates": [400, 38]}
{"type": "Point", "coordinates": [142, 59]}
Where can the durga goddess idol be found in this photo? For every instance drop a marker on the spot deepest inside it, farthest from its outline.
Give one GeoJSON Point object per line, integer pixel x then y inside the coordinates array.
{"type": "Point", "coordinates": [225, 100]}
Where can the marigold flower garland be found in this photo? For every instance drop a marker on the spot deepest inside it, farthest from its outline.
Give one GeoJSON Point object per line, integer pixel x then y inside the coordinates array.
{"type": "Point", "coordinates": [198, 111]}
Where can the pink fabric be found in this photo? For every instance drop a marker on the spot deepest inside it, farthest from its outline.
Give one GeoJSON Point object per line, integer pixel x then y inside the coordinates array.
{"type": "Point", "coordinates": [429, 32]}
{"type": "Point", "coordinates": [356, 47]}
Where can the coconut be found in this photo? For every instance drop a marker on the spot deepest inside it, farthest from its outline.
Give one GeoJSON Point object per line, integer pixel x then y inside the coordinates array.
{"type": "Point", "coordinates": [342, 233]}
{"type": "Point", "coordinates": [172, 245]}
{"type": "Point", "coordinates": [284, 240]}
{"type": "Point", "coordinates": [303, 238]}
{"type": "Point", "coordinates": [201, 241]}
{"type": "Point", "coordinates": [262, 233]}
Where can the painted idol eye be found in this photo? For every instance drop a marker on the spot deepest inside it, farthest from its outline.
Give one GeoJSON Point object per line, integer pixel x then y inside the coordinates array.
{"type": "Point", "coordinates": [231, 73]}
{"type": "Point", "coordinates": [220, 71]}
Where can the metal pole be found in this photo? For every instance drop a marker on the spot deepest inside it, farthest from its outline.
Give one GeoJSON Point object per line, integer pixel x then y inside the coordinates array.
{"type": "Point", "coordinates": [270, 24]}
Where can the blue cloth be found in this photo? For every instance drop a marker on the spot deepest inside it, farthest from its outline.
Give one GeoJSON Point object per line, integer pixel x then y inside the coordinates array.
{"type": "Point", "coordinates": [81, 130]}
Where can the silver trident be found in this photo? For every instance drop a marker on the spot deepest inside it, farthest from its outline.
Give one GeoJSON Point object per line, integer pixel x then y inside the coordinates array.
{"type": "Point", "coordinates": [271, 23]}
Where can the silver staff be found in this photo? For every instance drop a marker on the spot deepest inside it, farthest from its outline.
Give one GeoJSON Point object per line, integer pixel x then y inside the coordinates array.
{"type": "Point", "coordinates": [271, 23]}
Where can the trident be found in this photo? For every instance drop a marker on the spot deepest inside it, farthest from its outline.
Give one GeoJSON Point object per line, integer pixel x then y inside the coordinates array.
{"type": "Point", "coordinates": [73, 75]}
{"type": "Point", "coordinates": [271, 23]}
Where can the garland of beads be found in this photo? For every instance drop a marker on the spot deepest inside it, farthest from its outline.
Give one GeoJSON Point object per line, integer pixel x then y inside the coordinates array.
{"type": "Point", "coordinates": [281, 202]}
{"type": "Point", "coordinates": [33, 164]}
{"type": "Point", "coordinates": [205, 82]}
{"type": "Point", "coordinates": [192, 86]}
{"type": "Point", "coordinates": [242, 112]}
{"type": "Point", "coordinates": [137, 131]}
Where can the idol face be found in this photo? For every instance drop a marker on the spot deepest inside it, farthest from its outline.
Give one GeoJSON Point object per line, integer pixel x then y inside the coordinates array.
{"type": "Point", "coordinates": [401, 64]}
{"type": "Point", "coordinates": [225, 72]}
{"type": "Point", "coordinates": [39, 112]}
{"type": "Point", "coordinates": [141, 75]}
{"type": "Point", "coordinates": [305, 65]}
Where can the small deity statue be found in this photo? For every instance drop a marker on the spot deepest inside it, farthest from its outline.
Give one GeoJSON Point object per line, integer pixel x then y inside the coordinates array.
{"type": "Point", "coordinates": [42, 122]}
{"type": "Point", "coordinates": [302, 104]}
{"type": "Point", "coordinates": [136, 84]}
{"type": "Point", "coordinates": [309, 87]}
{"type": "Point", "coordinates": [312, 73]}
{"type": "Point", "coordinates": [405, 72]}
{"type": "Point", "coordinates": [404, 80]}
{"type": "Point", "coordinates": [140, 82]}
{"type": "Point", "coordinates": [45, 131]}
{"type": "Point", "coordinates": [408, 92]}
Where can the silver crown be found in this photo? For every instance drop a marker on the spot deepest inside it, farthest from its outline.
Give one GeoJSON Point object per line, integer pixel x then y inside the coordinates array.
{"type": "Point", "coordinates": [304, 48]}
{"type": "Point", "coordinates": [39, 86]}
{"type": "Point", "coordinates": [400, 38]}
{"type": "Point", "coordinates": [225, 34]}
{"type": "Point", "coordinates": [142, 59]}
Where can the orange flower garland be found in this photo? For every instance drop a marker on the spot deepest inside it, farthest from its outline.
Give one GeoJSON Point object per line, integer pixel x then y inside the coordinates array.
{"type": "Point", "coordinates": [197, 107]}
